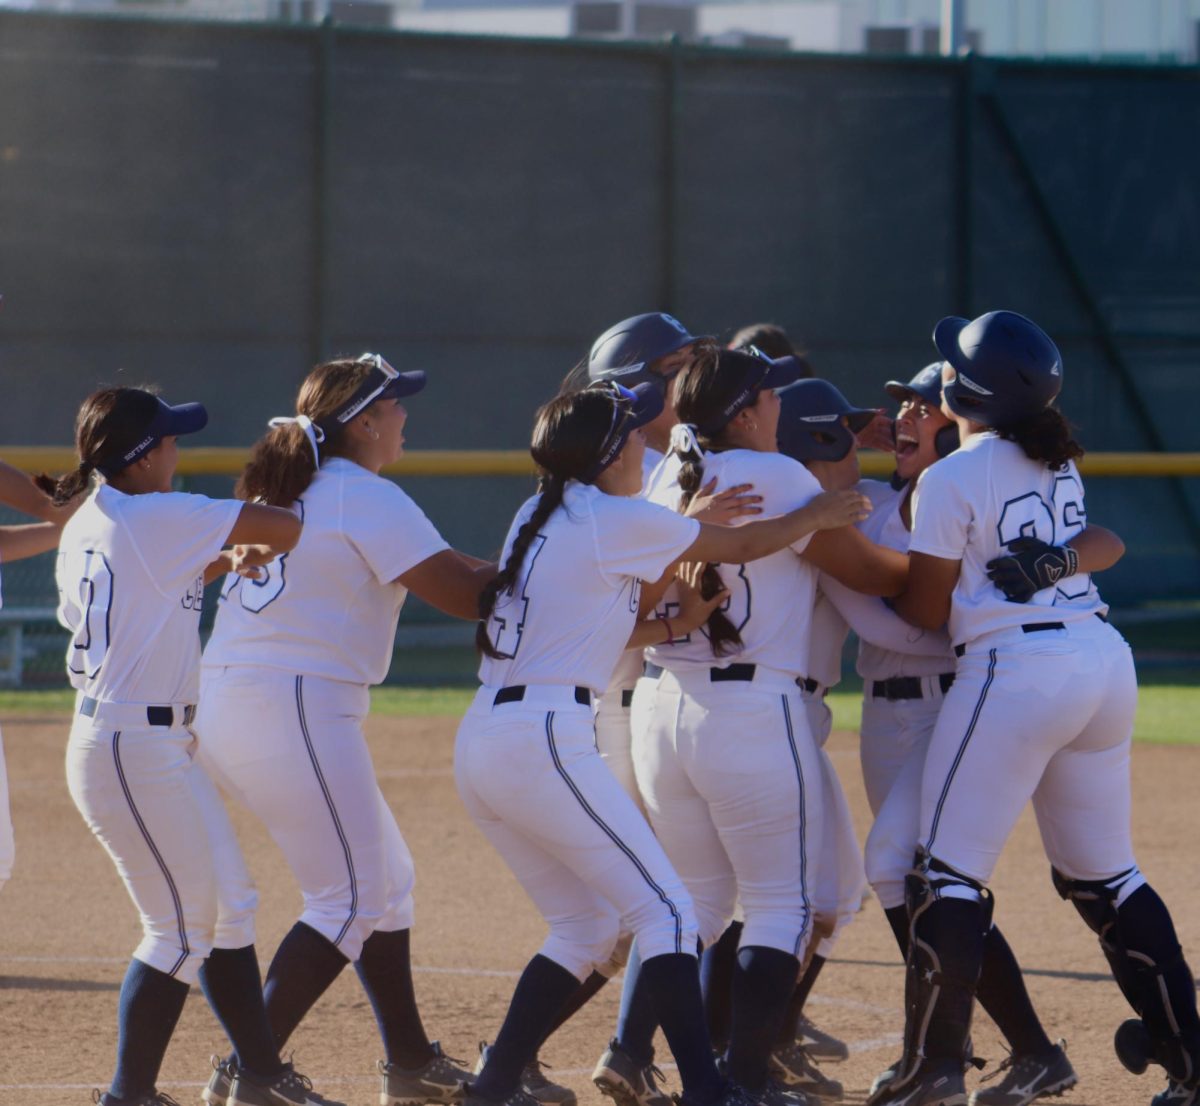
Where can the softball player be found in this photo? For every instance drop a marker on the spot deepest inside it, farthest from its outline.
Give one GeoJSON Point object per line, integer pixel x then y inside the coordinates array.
{"type": "Point", "coordinates": [284, 693]}
{"type": "Point", "coordinates": [132, 565]}
{"type": "Point", "coordinates": [742, 821]}
{"type": "Point", "coordinates": [1041, 707]}
{"type": "Point", "coordinates": [905, 672]}
{"type": "Point", "coordinates": [16, 543]}
{"type": "Point", "coordinates": [555, 620]}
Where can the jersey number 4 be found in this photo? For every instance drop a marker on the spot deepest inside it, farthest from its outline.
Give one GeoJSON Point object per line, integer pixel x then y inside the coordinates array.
{"type": "Point", "coordinates": [1054, 522]}
{"type": "Point", "coordinates": [508, 628]}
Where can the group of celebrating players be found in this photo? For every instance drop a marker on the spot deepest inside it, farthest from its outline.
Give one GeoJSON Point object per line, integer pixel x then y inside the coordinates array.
{"type": "Point", "coordinates": [646, 748]}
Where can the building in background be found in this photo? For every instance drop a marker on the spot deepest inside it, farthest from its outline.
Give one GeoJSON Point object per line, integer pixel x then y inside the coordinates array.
{"type": "Point", "coordinates": [1113, 30]}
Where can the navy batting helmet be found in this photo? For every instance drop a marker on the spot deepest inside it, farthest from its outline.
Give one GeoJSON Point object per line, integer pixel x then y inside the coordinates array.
{"type": "Point", "coordinates": [626, 351]}
{"type": "Point", "coordinates": [926, 386]}
{"type": "Point", "coordinates": [1005, 367]}
{"type": "Point", "coordinates": [810, 421]}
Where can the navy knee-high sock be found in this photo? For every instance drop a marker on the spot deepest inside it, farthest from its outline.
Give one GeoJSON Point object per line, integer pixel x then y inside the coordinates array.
{"type": "Point", "coordinates": [637, 1020]}
{"type": "Point", "coordinates": [717, 964]}
{"type": "Point", "coordinates": [147, 1012]}
{"type": "Point", "coordinates": [789, 1027]}
{"type": "Point", "coordinates": [542, 990]}
{"type": "Point", "coordinates": [1002, 993]}
{"type": "Point", "coordinates": [673, 982]}
{"type": "Point", "coordinates": [762, 984]}
{"type": "Point", "coordinates": [304, 966]}
{"type": "Point", "coordinates": [232, 984]}
{"type": "Point", "coordinates": [584, 994]}
{"type": "Point", "coordinates": [385, 970]}
{"type": "Point", "coordinates": [897, 918]}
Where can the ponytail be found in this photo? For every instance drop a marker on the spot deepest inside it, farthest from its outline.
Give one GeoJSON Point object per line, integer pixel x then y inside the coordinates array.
{"type": "Point", "coordinates": [551, 497]}
{"type": "Point", "coordinates": [1044, 436]}
{"type": "Point", "coordinates": [65, 488]}
{"type": "Point", "coordinates": [282, 465]}
{"type": "Point", "coordinates": [723, 635]}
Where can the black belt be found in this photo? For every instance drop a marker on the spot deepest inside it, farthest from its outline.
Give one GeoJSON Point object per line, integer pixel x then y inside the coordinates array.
{"type": "Point", "coordinates": [651, 671]}
{"type": "Point", "coordinates": [808, 683]}
{"type": "Point", "coordinates": [1026, 628]}
{"type": "Point", "coordinates": [732, 673]}
{"type": "Point", "coordinates": [907, 687]}
{"type": "Point", "coordinates": [155, 716]}
{"type": "Point", "coordinates": [626, 696]}
{"type": "Point", "coordinates": [516, 692]}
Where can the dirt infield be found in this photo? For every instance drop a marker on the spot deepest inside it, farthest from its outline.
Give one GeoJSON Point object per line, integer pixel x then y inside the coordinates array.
{"type": "Point", "coordinates": [67, 929]}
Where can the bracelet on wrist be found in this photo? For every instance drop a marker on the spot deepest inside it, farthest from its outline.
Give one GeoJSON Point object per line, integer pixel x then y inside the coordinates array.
{"type": "Point", "coordinates": [670, 632]}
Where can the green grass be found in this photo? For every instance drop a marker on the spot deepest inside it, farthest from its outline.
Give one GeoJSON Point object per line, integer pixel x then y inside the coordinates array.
{"type": "Point", "coordinates": [1168, 705]}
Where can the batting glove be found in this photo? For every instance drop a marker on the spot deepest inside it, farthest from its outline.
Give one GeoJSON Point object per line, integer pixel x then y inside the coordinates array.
{"type": "Point", "coordinates": [1031, 566]}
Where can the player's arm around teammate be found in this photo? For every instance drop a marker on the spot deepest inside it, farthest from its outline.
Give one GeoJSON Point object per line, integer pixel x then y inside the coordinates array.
{"type": "Point", "coordinates": [284, 696]}
{"type": "Point", "coordinates": [130, 578]}
{"type": "Point", "coordinates": [1042, 707]}
{"type": "Point", "coordinates": [556, 619]}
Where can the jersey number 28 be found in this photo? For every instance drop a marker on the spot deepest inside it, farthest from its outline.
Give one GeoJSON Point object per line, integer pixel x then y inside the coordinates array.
{"type": "Point", "coordinates": [1054, 522]}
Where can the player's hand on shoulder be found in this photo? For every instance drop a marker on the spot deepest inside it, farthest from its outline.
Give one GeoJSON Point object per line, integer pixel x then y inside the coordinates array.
{"type": "Point", "coordinates": [247, 560]}
{"type": "Point", "coordinates": [831, 510]}
{"type": "Point", "coordinates": [1030, 566]}
{"type": "Point", "coordinates": [721, 508]}
{"type": "Point", "coordinates": [694, 608]}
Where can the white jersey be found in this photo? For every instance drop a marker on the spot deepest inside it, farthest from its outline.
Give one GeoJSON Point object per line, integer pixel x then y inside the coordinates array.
{"type": "Point", "coordinates": [629, 664]}
{"type": "Point", "coordinates": [574, 604]}
{"type": "Point", "coordinates": [887, 645]}
{"type": "Point", "coordinates": [771, 599]}
{"type": "Point", "coordinates": [329, 607]}
{"type": "Point", "coordinates": [826, 640]}
{"type": "Point", "coordinates": [969, 505]}
{"type": "Point", "coordinates": [130, 589]}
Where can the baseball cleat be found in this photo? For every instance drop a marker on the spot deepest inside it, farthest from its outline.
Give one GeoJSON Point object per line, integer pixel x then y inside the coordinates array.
{"type": "Point", "coordinates": [885, 1076]}
{"type": "Point", "coordinates": [154, 1098]}
{"type": "Point", "coordinates": [821, 1045]}
{"type": "Point", "coordinates": [532, 1080]}
{"type": "Point", "coordinates": [939, 1084]}
{"type": "Point", "coordinates": [1029, 1077]}
{"type": "Point", "coordinates": [220, 1082]}
{"type": "Point", "coordinates": [439, 1079]}
{"type": "Point", "coordinates": [288, 1088]}
{"type": "Point", "coordinates": [795, 1068]}
{"type": "Point", "coordinates": [1177, 1094]}
{"type": "Point", "coordinates": [620, 1077]}
{"type": "Point", "coordinates": [776, 1094]}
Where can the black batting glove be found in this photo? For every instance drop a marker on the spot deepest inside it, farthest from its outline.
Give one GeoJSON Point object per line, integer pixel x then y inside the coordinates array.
{"type": "Point", "coordinates": [1031, 566]}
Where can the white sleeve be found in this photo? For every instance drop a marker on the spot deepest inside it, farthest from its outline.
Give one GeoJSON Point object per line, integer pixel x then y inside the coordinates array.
{"type": "Point", "coordinates": [388, 529]}
{"type": "Point", "coordinates": [178, 535]}
{"type": "Point", "coordinates": [942, 515]}
{"type": "Point", "coordinates": [636, 538]}
{"type": "Point", "coordinates": [871, 619]}
{"type": "Point", "coordinates": [784, 484]}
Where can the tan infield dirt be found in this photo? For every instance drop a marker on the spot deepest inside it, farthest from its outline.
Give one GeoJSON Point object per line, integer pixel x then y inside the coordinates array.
{"type": "Point", "coordinates": [67, 930]}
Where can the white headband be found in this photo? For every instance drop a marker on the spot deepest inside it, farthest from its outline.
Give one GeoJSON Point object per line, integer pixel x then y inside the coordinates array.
{"type": "Point", "coordinates": [683, 440]}
{"type": "Point", "coordinates": [312, 432]}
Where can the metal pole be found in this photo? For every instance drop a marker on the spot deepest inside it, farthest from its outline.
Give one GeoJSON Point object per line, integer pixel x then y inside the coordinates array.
{"type": "Point", "coordinates": [954, 34]}
{"type": "Point", "coordinates": [325, 46]}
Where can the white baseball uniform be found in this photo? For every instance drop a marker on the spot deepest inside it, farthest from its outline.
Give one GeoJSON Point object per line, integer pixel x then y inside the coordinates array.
{"type": "Point", "coordinates": [839, 879]}
{"type": "Point", "coordinates": [729, 771]}
{"type": "Point", "coordinates": [525, 759]}
{"type": "Point", "coordinates": [615, 705]}
{"type": "Point", "coordinates": [905, 671]}
{"type": "Point", "coordinates": [1043, 703]}
{"type": "Point", "coordinates": [284, 693]}
{"type": "Point", "coordinates": [130, 581]}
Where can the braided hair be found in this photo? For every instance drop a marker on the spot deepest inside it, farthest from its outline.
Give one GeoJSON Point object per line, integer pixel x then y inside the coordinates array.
{"type": "Point", "coordinates": [568, 434]}
{"type": "Point", "coordinates": [283, 461]}
{"type": "Point", "coordinates": [702, 393]}
{"type": "Point", "coordinates": [110, 423]}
